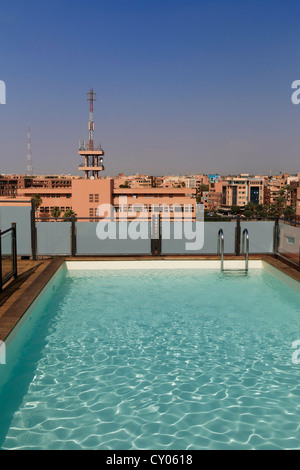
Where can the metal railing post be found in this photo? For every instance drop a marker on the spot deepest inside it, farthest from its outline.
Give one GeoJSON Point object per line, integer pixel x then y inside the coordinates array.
{"type": "Point", "coordinates": [14, 249]}
{"type": "Point", "coordinates": [159, 235]}
{"type": "Point", "coordinates": [155, 235]}
{"type": "Point", "coordinates": [238, 236]}
{"type": "Point", "coordinates": [33, 231]}
{"type": "Point", "coordinates": [0, 261]}
{"type": "Point", "coordinates": [73, 236]}
{"type": "Point", "coordinates": [276, 237]}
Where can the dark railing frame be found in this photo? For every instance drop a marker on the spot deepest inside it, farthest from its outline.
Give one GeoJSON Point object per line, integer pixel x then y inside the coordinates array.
{"type": "Point", "coordinates": [14, 273]}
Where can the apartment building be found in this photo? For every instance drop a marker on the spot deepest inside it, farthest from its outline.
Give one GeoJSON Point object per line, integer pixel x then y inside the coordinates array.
{"type": "Point", "coordinates": [169, 202]}
{"type": "Point", "coordinates": [295, 196]}
{"type": "Point", "coordinates": [8, 186]}
{"type": "Point", "coordinates": [212, 199]}
{"type": "Point", "coordinates": [240, 190]}
{"type": "Point", "coordinates": [84, 196]}
{"type": "Point", "coordinates": [55, 191]}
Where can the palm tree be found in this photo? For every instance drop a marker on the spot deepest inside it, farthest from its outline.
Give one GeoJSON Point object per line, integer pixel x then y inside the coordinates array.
{"type": "Point", "coordinates": [55, 212]}
{"type": "Point", "coordinates": [67, 217]}
{"type": "Point", "coordinates": [37, 201]}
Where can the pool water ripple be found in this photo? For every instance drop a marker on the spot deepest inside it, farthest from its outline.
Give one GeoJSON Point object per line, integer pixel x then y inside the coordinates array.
{"type": "Point", "coordinates": [157, 360]}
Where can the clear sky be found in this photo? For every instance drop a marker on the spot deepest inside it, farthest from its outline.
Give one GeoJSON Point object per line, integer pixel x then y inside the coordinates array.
{"type": "Point", "coordinates": [182, 85]}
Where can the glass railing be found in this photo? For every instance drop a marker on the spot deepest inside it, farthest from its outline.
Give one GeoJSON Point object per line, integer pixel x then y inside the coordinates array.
{"type": "Point", "coordinates": [92, 236]}
{"type": "Point", "coordinates": [288, 241]}
{"type": "Point", "coordinates": [8, 255]}
{"type": "Point", "coordinates": [99, 237]}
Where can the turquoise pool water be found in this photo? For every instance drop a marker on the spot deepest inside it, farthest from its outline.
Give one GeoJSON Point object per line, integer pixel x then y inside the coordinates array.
{"type": "Point", "coordinates": [155, 359]}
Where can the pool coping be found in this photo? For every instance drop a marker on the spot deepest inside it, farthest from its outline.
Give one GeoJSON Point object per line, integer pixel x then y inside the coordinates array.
{"type": "Point", "coordinates": [26, 293]}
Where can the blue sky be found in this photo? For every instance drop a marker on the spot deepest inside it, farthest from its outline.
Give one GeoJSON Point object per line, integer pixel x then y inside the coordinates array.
{"type": "Point", "coordinates": [182, 85]}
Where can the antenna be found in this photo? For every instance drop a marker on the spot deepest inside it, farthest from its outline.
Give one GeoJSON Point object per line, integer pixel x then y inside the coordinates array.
{"type": "Point", "coordinates": [91, 98]}
{"type": "Point", "coordinates": [29, 153]}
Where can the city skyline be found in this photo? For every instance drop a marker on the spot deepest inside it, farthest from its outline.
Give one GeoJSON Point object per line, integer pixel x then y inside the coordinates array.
{"type": "Point", "coordinates": [192, 86]}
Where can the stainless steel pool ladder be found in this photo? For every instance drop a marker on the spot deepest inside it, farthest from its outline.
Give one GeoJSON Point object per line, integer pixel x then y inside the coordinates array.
{"type": "Point", "coordinates": [221, 247]}
{"type": "Point", "coordinates": [245, 249]}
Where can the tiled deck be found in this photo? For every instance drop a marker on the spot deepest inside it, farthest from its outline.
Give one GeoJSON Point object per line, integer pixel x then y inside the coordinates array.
{"type": "Point", "coordinates": [18, 295]}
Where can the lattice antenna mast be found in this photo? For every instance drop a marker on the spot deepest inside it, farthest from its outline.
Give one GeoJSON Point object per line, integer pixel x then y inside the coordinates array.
{"type": "Point", "coordinates": [29, 153]}
{"type": "Point", "coordinates": [91, 98]}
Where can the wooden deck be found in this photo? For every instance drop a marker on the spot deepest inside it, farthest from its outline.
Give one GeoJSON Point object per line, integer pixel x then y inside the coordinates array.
{"type": "Point", "coordinates": [19, 294]}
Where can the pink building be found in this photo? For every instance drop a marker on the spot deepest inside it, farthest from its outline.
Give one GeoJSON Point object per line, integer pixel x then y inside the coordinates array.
{"type": "Point", "coordinates": [155, 200]}
{"type": "Point", "coordinates": [88, 194]}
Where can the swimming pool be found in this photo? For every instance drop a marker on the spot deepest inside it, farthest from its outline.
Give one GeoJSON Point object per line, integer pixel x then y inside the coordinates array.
{"type": "Point", "coordinates": [155, 359]}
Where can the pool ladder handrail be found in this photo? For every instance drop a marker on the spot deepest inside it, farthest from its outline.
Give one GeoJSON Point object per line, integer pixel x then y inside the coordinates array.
{"type": "Point", "coordinates": [221, 247]}
{"type": "Point", "coordinates": [245, 244]}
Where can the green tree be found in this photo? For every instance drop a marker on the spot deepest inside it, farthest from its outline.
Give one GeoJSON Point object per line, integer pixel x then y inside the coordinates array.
{"type": "Point", "coordinates": [198, 198]}
{"type": "Point", "coordinates": [251, 207]}
{"type": "Point", "coordinates": [235, 210]}
{"type": "Point", "coordinates": [248, 213]}
{"type": "Point", "coordinates": [37, 201]}
{"type": "Point", "coordinates": [203, 187]}
{"type": "Point", "coordinates": [273, 211]}
{"type": "Point", "coordinates": [262, 211]}
{"type": "Point", "coordinates": [289, 213]}
{"type": "Point", "coordinates": [67, 217]}
{"type": "Point", "coordinates": [56, 212]}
